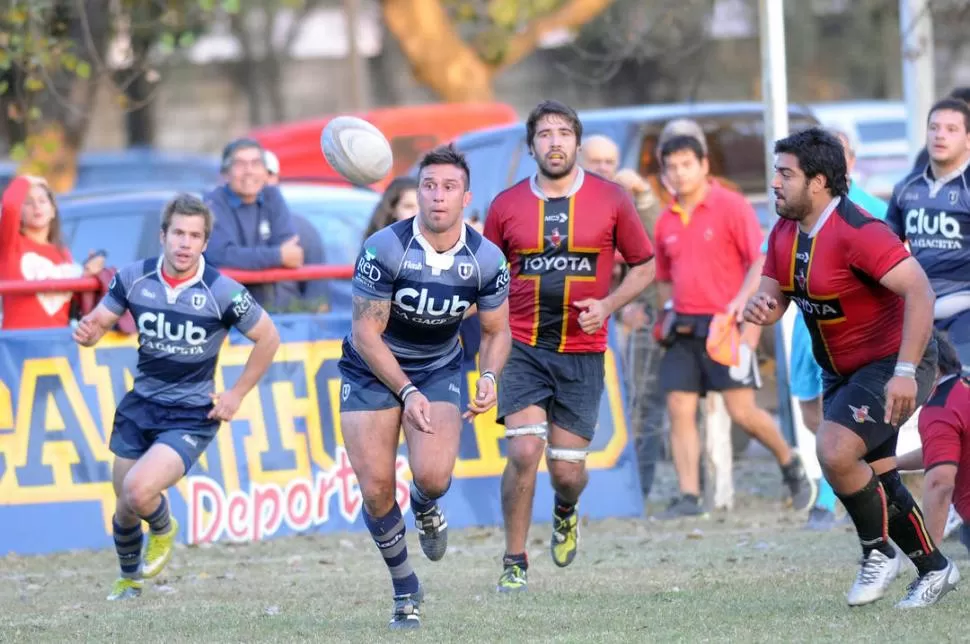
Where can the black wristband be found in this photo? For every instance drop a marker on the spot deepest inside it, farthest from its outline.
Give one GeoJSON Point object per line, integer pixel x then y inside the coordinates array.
{"type": "Point", "coordinates": [405, 391]}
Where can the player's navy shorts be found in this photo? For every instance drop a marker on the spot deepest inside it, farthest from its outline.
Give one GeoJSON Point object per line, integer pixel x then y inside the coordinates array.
{"type": "Point", "coordinates": [361, 390]}
{"type": "Point", "coordinates": [568, 386]}
{"type": "Point", "coordinates": [141, 423]}
{"type": "Point", "coordinates": [858, 401]}
{"type": "Point", "coordinates": [688, 367]}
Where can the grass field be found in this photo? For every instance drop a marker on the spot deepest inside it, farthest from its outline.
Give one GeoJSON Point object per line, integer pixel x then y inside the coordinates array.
{"type": "Point", "coordinates": [749, 576]}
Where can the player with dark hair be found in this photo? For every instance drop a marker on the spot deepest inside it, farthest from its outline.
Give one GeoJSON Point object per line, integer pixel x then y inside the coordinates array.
{"type": "Point", "coordinates": [559, 230]}
{"type": "Point", "coordinates": [868, 306]}
{"type": "Point", "coordinates": [923, 158]}
{"type": "Point", "coordinates": [183, 309]}
{"type": "Point", "coordinates": [402, 363]}
{"type": "Point", "coordinates": [930, 209]}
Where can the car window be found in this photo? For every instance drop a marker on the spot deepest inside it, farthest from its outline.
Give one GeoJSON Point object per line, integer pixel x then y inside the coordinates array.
{"type": "Point", "coordinates": [735, 147]}
{"type": "Point", "coordinates": [181, 176]}
{"type": "Point", "coordinates": [341, 224]}
{"type": "Point", "coordinates": [881, 131]}
{"type": "Point", "coordinates": [126, 230]}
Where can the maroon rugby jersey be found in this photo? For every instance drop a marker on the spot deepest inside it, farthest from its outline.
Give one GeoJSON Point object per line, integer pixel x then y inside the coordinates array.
{"type": "Point", "coordinates": [561, 251]}
{"type": "Point", "coordinates": [833, 278]}
{"type": "Point", "coordinates": [944, 430]}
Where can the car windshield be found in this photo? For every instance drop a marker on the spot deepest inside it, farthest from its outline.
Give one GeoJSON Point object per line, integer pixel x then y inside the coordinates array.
{"type": "Point", "coordinates": [340, 221]}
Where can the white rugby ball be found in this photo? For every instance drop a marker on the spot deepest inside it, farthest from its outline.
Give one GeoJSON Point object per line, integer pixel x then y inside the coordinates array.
{"type": "Point", "coordinates": [357, 150]}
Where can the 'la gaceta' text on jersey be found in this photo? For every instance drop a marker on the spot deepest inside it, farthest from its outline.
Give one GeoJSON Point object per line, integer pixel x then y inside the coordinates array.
{"type": "Point", "coordinates": [180, 329]}
{"type": "Point", "coordinates": [832, 274]}
{"type": "Point", "coordinates": [934, 217]}
{"type": "Point", "coordinates": [429, 291]}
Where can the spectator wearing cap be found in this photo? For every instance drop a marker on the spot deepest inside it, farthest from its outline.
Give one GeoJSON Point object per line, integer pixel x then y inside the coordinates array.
{"type": "Point", "coordinates": [253, 229]}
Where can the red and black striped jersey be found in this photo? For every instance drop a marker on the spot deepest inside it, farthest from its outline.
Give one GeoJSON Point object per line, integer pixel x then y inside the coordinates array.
{"type": "Point", "coordinates": [561, 251]}
{"type": "Point", "coordinates": [833, 276]}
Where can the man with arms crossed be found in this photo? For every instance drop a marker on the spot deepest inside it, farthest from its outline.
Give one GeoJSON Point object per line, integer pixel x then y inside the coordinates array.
{"type": "Point", "coordinates": [401, 364]}
{"type": "Point", "coordinates": [183, 309]}
{"type": "Point", "coordinates": [868, 307]}
{"type": "Point", "coordinates": [559, 230]}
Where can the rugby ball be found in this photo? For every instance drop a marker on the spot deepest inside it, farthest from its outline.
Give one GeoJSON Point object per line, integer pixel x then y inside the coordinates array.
{"type": "Point", "coordinates": [356, 150]}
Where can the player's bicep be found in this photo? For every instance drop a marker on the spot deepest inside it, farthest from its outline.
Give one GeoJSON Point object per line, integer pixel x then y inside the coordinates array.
{"type": "Point", "coordinates": [941, 443]}
{"type": "Point", "coordinates": [263, 329]}
{"type": "Point", "coordinates": [495, 321]}
{"type": "Point", "coordinates": [495, 291]}
{"type": "Point", "coordinates": [242, 312]}
{"type": "Point", "coordinates": [907, 277]}
{"type": "Point", "coordinates": [116, 299]}
{"type": "Point", "coordinates": [370, 316]}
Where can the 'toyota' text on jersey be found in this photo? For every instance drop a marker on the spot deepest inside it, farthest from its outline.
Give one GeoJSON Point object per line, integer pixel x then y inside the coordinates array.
{"type": "Point", "coordinates": [562, 250]}
{"type": "Point", "coordinates": [833, 276]}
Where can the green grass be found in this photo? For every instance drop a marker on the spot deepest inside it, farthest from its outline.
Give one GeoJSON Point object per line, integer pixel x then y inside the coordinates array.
{"type": "Point", "coordinates": [750, 576]}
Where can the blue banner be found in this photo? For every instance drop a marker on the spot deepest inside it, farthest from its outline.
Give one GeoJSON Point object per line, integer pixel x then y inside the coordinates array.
{"type": "Point", "coordinates": [278, 468]}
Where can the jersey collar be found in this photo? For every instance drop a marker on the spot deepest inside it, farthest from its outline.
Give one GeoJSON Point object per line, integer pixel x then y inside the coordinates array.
{"type": "Point", "coordinates": [444, 260]}
{"type": "Point", "coordinates": [937, 184]}
{"type": "Point", "coordinates": [824, 217]}
{"type": "Point", "coordinates": [573, 189]}
{"type": "Point", "coordinates": [173, 293]}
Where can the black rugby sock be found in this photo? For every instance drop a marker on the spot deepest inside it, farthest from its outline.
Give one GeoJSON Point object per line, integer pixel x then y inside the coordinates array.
{"type": "Point", "coordinates": [867, 507]}
{"type": "Point", "coordinates": [907, 527]}
{"type": "Point", "coordinates": [128, 543]}
{"type": "Point", "coordinates": [563, 508]}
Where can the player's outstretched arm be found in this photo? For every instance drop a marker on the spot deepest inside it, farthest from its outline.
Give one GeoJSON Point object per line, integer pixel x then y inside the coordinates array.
{"type": "Point", "coordinates": [908, 280]}
{"type": "Point", "coordinates": [266, 339]}
{"type": "Point", "coordinates": [367, 328]}
{"type": "Point", "coordinates": [492, 354]}
{"type": "Point", "coordinates": [94, 325]}
{"type": "Point", "coordinates": [767, 305]}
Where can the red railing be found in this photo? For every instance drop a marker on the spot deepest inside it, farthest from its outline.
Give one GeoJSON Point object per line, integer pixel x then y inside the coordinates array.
{"type": "Point", "coordinates": [81, 284]}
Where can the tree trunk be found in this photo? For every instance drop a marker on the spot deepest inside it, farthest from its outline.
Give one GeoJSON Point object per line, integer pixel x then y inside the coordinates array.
{"type": "Point", "coordinates": [439, 58]}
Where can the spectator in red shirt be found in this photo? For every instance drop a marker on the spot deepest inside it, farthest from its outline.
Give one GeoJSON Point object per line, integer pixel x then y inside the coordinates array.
{"type": "Point", "coordinates": [31, 248]}
{"type": "Point", "coordinates": [706, 241]}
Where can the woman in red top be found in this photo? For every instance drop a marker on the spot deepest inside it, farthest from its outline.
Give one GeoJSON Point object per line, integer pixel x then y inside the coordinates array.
{"type": "Point", "coordinates": [31, 248]}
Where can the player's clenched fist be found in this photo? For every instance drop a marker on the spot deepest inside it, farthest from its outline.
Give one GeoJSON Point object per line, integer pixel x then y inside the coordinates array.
{"type": "Point", "coordinates": [760, 309]}
{"type": "Point", "coordinates": [485, 396]}
{"type": "Point", "coordinates": [88, 332]}
{"type": "Point", "coordinates": [225, 405]}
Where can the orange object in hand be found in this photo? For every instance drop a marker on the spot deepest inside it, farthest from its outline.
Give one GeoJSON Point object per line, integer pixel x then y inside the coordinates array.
{"type": "Point", "coordinates": [724, 340]}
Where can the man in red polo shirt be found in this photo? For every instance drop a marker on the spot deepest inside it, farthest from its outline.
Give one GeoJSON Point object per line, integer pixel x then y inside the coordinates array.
{"type": "Point", "coordinates": [706, 240]}
{"type": "Point", "coordinates": [559, 230]}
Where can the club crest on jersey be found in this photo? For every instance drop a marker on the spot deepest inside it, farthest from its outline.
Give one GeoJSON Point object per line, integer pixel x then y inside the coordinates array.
{"type": "Point", "coordinates": [465, 270]}
{"type": "Point", "coordinates": [345, 392]}
{"type": "Point", "coordinates": [555, 238]}
{"type": "Point", "coordinates": [953, 197]}
{"type": "Point", "coordinates": [198, 301]}
{"type": "Point", "coordinates": [861, 414]}
{"type": "Point", "coordinates": [802, 281]}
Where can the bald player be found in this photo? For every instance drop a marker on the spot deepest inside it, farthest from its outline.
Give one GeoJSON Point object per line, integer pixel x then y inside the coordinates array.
{"type": "Point", "coordinates": [601, 155]}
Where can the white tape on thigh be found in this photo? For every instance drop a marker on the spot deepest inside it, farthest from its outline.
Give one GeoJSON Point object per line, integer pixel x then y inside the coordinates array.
{"type": "Point", "coordinates": [564, 454]}
{"type": "Point", "coordinates": [538, 429]}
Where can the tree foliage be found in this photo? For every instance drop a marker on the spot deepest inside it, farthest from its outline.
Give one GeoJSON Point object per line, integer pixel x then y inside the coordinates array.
{"type": "Point", "coordinates": [54, 57]}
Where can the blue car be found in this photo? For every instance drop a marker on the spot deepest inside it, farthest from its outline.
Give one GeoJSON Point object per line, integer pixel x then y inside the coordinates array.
{"type": "Point", "coordinates": [137, 168]}
{"type": "Point", "coordinates": [126, 224]}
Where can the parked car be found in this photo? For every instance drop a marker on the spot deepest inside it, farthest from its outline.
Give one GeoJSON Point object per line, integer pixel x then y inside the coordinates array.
{"type": "Point", "coordinates": [137, 168]}
{"type": "Point", "coordinates": [882, 142]}
{"type": "Point", "coordinates": [499, 157]}
{"type": "Point", "coordinates": [411, 130]}
{"type": "Point", "coordinates": [126, 224]}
